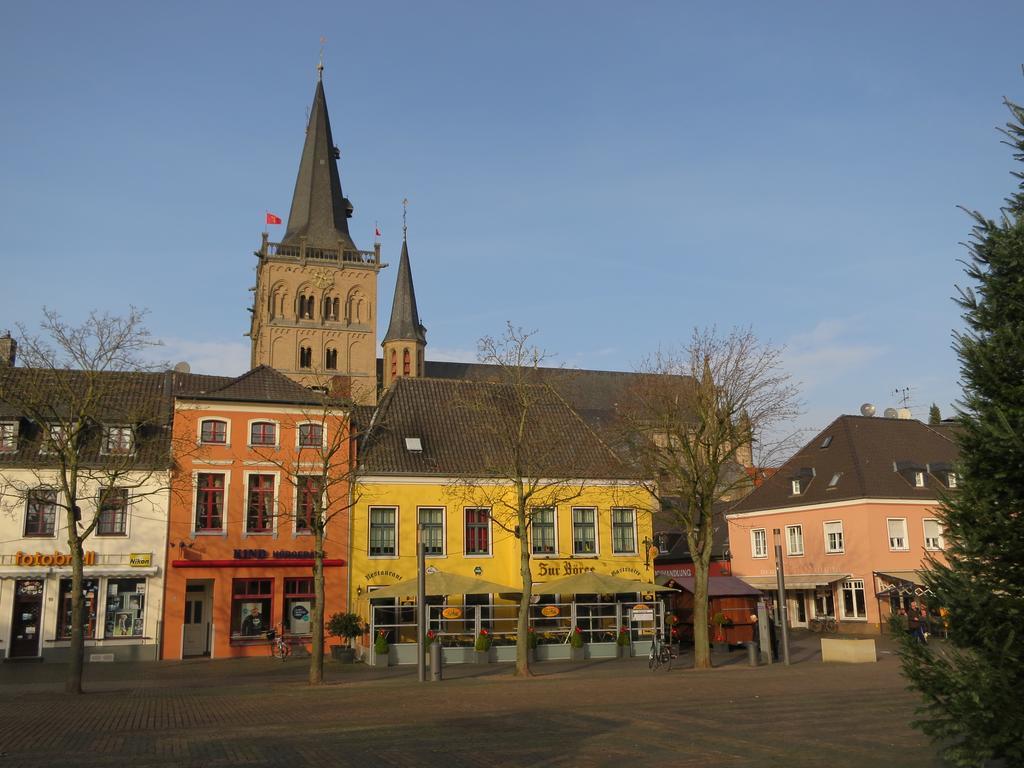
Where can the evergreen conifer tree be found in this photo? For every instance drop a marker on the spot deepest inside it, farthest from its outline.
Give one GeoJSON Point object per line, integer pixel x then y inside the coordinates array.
{"type": "Point", "coordinates": [934, 415]}
{"type": "Point", "coordinates": [974, 685]}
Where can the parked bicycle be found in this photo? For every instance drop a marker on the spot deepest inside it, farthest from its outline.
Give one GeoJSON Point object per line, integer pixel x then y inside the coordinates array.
{"type": "Point", "coordinates": [280, 648]}
{"type": "Point", "coordinates": [661, 655]}
{"type": "Point", "coordinates": [826, 624]}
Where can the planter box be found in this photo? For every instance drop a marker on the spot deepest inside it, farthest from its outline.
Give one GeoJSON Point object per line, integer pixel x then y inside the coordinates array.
{"type": "Point", "coordinates": [381, 659]}
{"type": "Point", "coordinates": [403, 653]}
{"type": "Point", "coordinates": [504, 653]}
{"type": "Point", "coordinates": [343, 654]}
{"type": "Point", "coordinates": [559, 652]}
{"type": "Point", "coordinates": [577, 654]}
{"type": "Point", "coordinates": [622, 651]}
{"type": "Point", "coordinates": [603, 650]}
{"type": "Point", "coordinates": [848, 651]}
{"type": "Point", "coordinates": [482, 657]}
{"type": "Point", "coordinates": [457, 655]}
{"type": "Point", "coordinates": [720, 647]}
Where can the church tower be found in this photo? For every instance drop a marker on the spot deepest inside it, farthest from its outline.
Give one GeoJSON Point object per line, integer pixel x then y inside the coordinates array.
{"type": "Point", "coordinates": [406, 338]}
{"type": "Point", "coordinates": [314, 308]}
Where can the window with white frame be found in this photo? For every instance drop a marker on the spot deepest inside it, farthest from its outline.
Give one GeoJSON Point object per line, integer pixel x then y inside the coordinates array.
{"type": "Point", "coordinates": [213, 432]}
{"type": "Point", "coordinates": [41, 512]}
{"type": "Point", "coordinates": [432, 526]}
{"type": "Point", "coordinates": [259, 508]}
{"type": "Point", "coordinates": [309, 497]}
{"type": "Point", "coordinates": [113, 512]}
{"type": "Point", "coordinates": [8, 436]}
{"type": "Point", "coordinates": [118, 440]}
{"type": "Point", "coordinates": [263, 433]}
{"type": "Point", "coordinates": [623, 531]}
{"type": "Point", "coordinates": [584, 531]}
{"type": "Point", "coordinates": [897, 533]}
{"type": "Point", "coordinates": [542, 527]}
{"type": "Point", "coordinates": [311, 435]}
{"type": "Point", "coordinates": [210, 487]}
{"type": "Point", "coordinates": [383, 531]}
{"type": "Point", "coordinates": [759, 542]}
{"type": "Point", "coordinates": [478, 529]}
{"type": "Point", "coordinates": [834, 536]}
{"type": "Point", "coordinates": [932, 534]}
{"type": "Point", "coordinates": [951, 480]}
{"type": "Point", "coordinates": [795, 539]}
{"type": "Point", "coordinates": [55, 439]}
{"type": "Point", "coordinates": [918, 479]}
{"type": "Point", "coordinates": [795, 487]}
{"type": "Point", "coordinates": [852, 601]}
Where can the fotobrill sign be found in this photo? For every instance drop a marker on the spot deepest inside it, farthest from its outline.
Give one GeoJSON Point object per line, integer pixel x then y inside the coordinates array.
{"type": "Point", "coordinates": [39, 559]}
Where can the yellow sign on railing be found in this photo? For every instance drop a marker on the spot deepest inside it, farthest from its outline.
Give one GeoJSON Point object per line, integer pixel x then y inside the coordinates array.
{"type": "Point", "coordinates": [140, 559]}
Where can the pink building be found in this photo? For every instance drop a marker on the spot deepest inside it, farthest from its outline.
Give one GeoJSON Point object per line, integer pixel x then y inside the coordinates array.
{"type": "Point", "coordinates": [856, 514]}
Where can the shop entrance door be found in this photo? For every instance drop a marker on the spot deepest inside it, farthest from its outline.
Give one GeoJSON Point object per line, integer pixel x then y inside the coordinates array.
{"type": "Point", "coordinates": [26, 620]}
{"type": "Point", "coordinates": [798, 609]}
{"type": "Point", "coordinates": [195, 635]}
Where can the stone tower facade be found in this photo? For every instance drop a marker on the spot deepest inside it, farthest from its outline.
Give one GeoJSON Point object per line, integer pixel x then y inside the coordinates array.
{"type": "Point", "coordinates": [406, 338]}
{"type": "Point", "coordinates": [314, 313]}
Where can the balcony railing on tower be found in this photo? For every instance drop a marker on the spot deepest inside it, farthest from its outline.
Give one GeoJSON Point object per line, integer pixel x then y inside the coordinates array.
{"type": "Point", "coordinates": [303, 253]}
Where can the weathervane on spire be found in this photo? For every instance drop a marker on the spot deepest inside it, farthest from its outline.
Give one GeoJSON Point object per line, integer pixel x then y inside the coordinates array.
{"type": "Point", "coordinates": [320, 64]}
{"type": "Point", "coordinates": [405, 210]}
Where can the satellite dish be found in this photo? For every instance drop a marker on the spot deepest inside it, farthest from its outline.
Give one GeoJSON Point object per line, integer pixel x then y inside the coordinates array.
{"type": "Point", "coordinates": [867, 410]}
{"type": "Point", "coordinates": [182, 367]}
{"type": "Point", "coordinates": [890, 413]}
{"type": "Point", "coordinates": [903, 413]}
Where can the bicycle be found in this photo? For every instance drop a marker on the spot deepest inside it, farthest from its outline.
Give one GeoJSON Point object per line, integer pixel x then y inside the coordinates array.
{"type": "Point", "coordinates": [826, 624]}
{"type": "Point", "coordinates": [660, 655]}
{"type": "Point", "coordinates": [279, 647]}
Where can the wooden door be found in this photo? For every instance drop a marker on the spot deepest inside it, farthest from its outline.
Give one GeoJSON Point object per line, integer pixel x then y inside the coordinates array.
{"type": "Point", "coordinates": [27, 618]}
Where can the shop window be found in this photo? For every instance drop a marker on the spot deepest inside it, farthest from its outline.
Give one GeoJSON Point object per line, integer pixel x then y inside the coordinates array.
{"type": "Point", "coordinates": [824, 603]}
{"type": "Point", "coordinates": [382, 531]}
{"type": "Point", "coordinates": [213, 432]}
{"type": "Point", "coordinates": [263, 433]}
{"type": "Point", "coordinates": [209, 501]}
{"type": "Point", "coordinates": [311, 436]}
{"type": "Point", "coordinates": [932, 534]}
{"type": "Point", "coordinates": [623, 531]}
{"type": "Point", "coordinates": [479, 605]}
{"type": "Point", "coordinates": [478, 523]}
{"type": "Point", "coordinates": [251, 603]}
{"type": "Point", "coordinates": [543, 525]}
{"type": "Point", "coordinates": [834, 537]}
{"type": "Point", "coordinates": [41, 512]}
{"type": "Point", "coordinates": [584, 531]}
{"type": "Point", "coordinates": [90, 590]}
{"type": "Point", "coordinates": [432, 525]}
{"type": "Point", "coordinates": [299, 600]}
{"type": "Point", "coordinates": [126, 604]}
{"type": "Point", "coordinates": [759, 542]}
{"type": "Point", "coordinates": [259, 513]}
{"type": "Point", "coordinates": [795, 539]}
{"type": "Point", "coordinates": [113, 512]}
{"type": "Point", "coordinates": [310, 495]}
{"type": "Point", "coordinates": [897, 527]}
{"type": "Point", "coordinates": [853, 599]}
{"type": "Point", "coordinates": [118, 440]}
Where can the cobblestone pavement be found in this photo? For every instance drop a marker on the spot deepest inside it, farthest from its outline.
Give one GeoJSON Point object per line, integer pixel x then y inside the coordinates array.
{"type": "Point", "coordinates": [259, 712]}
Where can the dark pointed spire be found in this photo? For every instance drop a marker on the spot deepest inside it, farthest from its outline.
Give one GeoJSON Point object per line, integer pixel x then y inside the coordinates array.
{"type": "Point", "coordinates": [405, 318]}
{"type": "Point", "coordinates": [319, 210]}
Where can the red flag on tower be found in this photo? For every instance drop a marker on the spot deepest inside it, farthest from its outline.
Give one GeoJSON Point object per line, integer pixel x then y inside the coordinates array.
{"type": "Point", "coordinates": [272, 219]}
{"type": "Point", "coordinates": [377, 232]}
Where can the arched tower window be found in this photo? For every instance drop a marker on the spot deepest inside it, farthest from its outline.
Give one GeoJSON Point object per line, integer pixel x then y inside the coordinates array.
{"type": "Point", "coordinates": [305, 357]}
{"type": "Point", "coordinates": [406, 363]}
{"type": "Point", "coordinates": [394, 363]}
{"type": "Point", "coordinates": [331, 359]}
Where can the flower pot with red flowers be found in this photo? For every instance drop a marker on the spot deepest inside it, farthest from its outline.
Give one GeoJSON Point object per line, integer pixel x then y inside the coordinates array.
{"type": "Point", "coordinates": [577, 652]}
{"type": "Point", "coordinates": [381, 649]}
{"type": "Point", "coordinates": [622, 643]}
{"type": "Point", "coordinates": [483, 646]}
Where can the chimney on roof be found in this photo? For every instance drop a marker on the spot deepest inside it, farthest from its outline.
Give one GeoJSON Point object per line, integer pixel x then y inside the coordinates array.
{"type": "Point", "coordinates": [8, 350]}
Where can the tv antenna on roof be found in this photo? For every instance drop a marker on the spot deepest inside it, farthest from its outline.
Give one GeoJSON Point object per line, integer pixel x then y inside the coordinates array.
{"type": "Point", "coordinates": [902, 396]}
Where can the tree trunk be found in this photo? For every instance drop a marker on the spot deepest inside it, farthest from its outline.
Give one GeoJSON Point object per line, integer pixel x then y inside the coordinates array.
{"type": "Point", "coordinates": [701, 568]}
{"type": "Point", "coordinates": [316, 655]}
{"type": "Point", "coordinates": [76, 661]}
{"type": "Point", "coordinates": [523, 625]}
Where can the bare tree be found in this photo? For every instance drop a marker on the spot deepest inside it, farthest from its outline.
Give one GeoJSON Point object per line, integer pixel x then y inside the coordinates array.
{"type": "Point", "coordinates": [528, 457]}
{"type": "Point", "coordinates": [97, 424]}
{"type": "Point", "coordinates": [323, 472]}
{"type": "Point", "coordinates": [692, 421]}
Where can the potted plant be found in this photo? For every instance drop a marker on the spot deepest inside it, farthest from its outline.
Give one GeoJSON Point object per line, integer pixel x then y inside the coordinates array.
{"type": "Point", "coordinates": [721, 622]}
{"type": "Point", "coordinates": [622, 641]}
{"type": "Point", "coordinates": [381, 649]}
{"type": "Point", "coordinates": [576, 644]}
{"type": "Point", "coordinates": [483, 647]}
{"type": "Point", "coordinates": [531, 644]}
{"type": "Point", "coordinates": [346, 627]}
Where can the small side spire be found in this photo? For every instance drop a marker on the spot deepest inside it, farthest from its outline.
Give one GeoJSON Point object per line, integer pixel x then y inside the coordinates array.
{"type": "Point", "coordinates": [405, 317]}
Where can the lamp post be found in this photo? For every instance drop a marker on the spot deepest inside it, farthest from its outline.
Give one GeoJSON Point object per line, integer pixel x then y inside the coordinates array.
{"type": "Point", "coordinates": [781, 577]}
{"type": "Point", "coordinates": [421, 599]}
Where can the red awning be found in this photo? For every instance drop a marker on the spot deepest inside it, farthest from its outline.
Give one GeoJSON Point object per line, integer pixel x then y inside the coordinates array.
{"type": "Point", "coordinates": [719, 586]}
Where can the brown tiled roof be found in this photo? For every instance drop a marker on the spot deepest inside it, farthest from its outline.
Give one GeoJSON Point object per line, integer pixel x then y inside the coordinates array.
{"type": "Point", "coordinates": [866, 454]}
{"type": "Point", "coordinates": [455, 422]}
{"type": "Point", "coordinates": [666, 524]}
{"type": "Point", "coordinates": [262, 384]}
{"type": "Point", "coordinates": [137, 399]}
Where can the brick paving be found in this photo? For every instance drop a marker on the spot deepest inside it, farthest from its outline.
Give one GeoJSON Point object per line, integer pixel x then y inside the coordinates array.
{"type": "Point", "coordinates": [259, 712]}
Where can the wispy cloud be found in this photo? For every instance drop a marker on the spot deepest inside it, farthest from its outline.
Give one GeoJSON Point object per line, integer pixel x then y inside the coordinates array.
{"type": "Point", "coordinates": [825, 353]}
{"type": "Point", "coordinates": [223, 358]}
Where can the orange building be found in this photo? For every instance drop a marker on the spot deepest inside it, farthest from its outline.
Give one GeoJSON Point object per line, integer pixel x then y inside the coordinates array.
{"type": "Point", "coordinates": [240, 541]}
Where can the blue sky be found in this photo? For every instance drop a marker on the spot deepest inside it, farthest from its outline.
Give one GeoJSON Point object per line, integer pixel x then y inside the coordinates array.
{"type": "Point", "coordinates": [611, 174]}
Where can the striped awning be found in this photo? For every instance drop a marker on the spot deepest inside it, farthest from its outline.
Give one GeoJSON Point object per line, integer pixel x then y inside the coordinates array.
{"type": "Point", "coordinates": [90, 572]}
{"type": "Point", "coordinates": [796, 580]}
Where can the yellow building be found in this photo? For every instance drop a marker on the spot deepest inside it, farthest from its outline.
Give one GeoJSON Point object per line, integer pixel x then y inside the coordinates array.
{"type": "Point", "coordinates": [435, 458]}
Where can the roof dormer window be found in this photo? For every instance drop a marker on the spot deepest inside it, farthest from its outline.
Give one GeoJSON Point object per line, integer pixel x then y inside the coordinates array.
{"type": "Point", "coordinates": [414, 444]}
{"type": "Point", "coordinates": [800, 480]}
{"type": "Point", "coordinates": [826, 442]}
{"type": "Point", "coordinates": [919, 479]}
{"type": "Point", "coordinates": [951, 480]}
{"type": "Point", "coordinates": [796, 487]}
{"type": "Point", "coordinates": [835, 480]}
{"type": "Point", "coordinates": [118, 440]}
{"type": "Point", "coordinates": [8, 436]}
{"type": "Point", "coordinates": [54, 440]}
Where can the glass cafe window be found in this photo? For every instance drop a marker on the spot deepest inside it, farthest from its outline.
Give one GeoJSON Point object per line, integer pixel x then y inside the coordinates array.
{"type": "Point", "coordinates": [90, 588]}
{"type": "Point", "coordinates": [126, 604]}
{"type": "Point", "coordinates": [251, 601]}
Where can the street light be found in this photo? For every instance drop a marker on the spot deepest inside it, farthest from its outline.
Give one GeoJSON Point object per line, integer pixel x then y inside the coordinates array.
{"type": "Point", "coordinates": [781, 578]}
{"type": "Point", "coordinates": [421, 599]}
